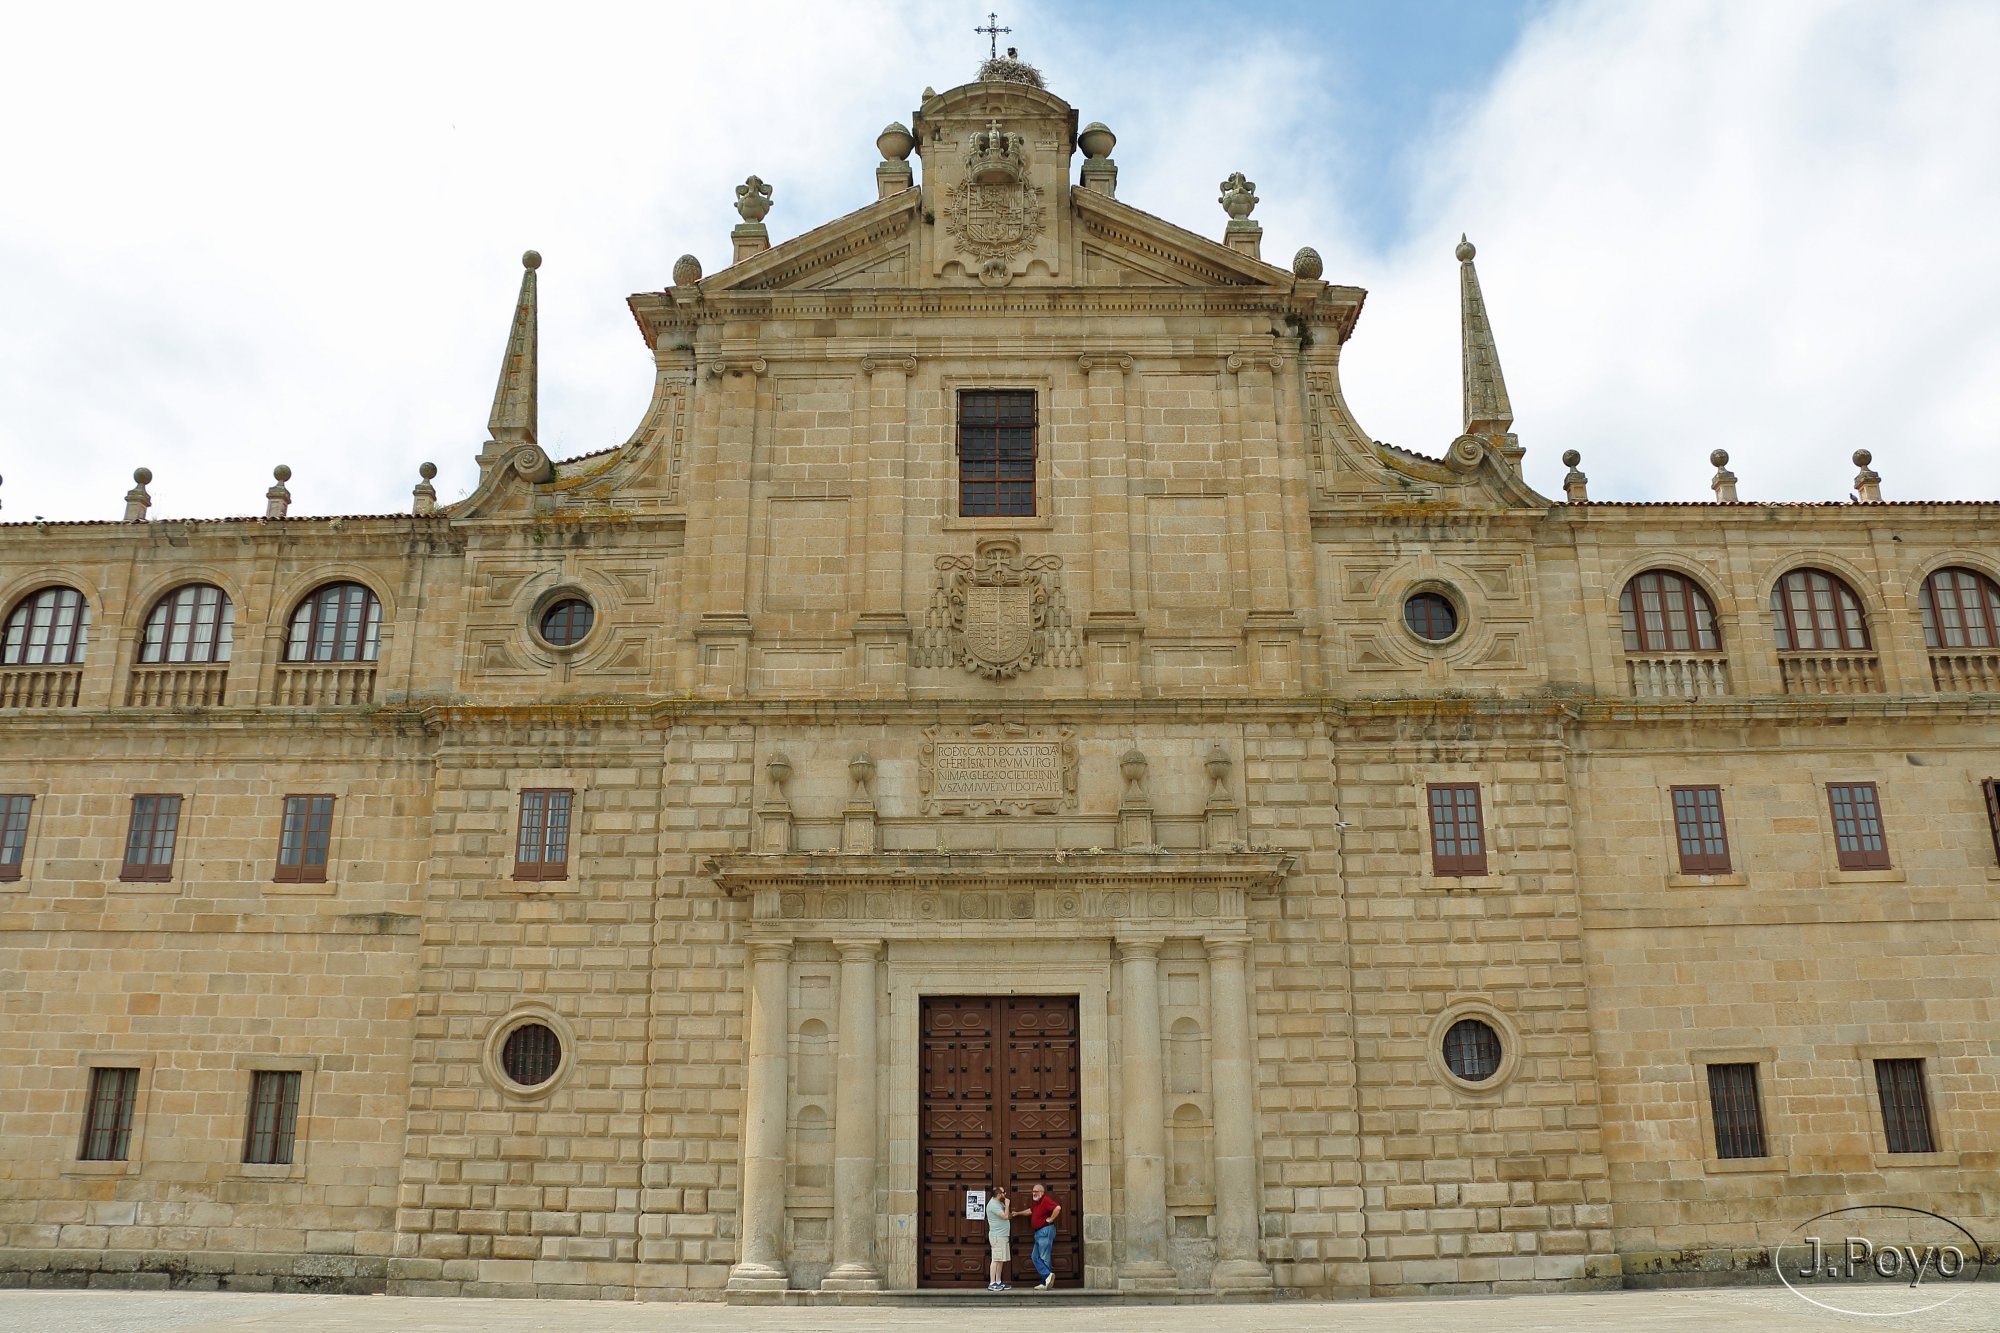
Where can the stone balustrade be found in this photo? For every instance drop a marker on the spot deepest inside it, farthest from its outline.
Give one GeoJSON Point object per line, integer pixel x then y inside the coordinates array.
{"type": "Point", "coordinates": [1966, 672]}
{"type": "Point", "coordinates": [177, 685]}
{"type": "Point", "coordinates": [1831, 673]}
{"type": "Point", "coordinates": [1678, 675]}
{"type": "Point", "coordinates": [40, 687]}
{"type": "Point", "coordinates": [323, 685]}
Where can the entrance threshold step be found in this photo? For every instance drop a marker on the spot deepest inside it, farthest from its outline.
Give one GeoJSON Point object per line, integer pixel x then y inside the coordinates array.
{"type": "Point", "coordinates": [1019, 1297]}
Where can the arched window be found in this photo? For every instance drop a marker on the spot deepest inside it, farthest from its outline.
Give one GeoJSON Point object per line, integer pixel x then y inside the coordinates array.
{"type": "Point", "coordinates": [341, 622]}
{"type": "Point", "coordinates": [1961, 610]}
{"type": "Point", "coordinates": [193, 623]}
{"type": "Point", "coordinates": [47, 628]}
{"type": "Point", "coordinates": [1665, 612]}
{"type": "Point", "coordinates": [1816, 613]}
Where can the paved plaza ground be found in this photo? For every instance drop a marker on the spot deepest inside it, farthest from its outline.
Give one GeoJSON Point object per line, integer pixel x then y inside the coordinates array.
{"type": "Point", "coordinates": [1762, 1309]}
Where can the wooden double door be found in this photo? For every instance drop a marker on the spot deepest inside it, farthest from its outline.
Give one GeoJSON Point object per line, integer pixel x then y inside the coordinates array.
{"type": "Point", "coordinates": [999, 1099]}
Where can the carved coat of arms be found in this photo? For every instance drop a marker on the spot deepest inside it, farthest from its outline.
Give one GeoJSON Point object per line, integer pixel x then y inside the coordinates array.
{"type": "Point", "coordinates": [994, 214]}
{"type": "Point", "coordinates": [997, 613]}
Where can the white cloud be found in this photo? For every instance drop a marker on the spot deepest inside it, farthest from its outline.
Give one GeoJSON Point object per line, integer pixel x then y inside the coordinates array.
{"type": "Point", "coordinates": [235, 237]}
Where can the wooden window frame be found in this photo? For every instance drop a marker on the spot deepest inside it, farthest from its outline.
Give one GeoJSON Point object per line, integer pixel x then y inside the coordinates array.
{"type": "Point", "coordinates": [1985, 604]}
{"type": "Point", "coordinates": [1736, 1114]}
{"type": "Point", "coordinates": [110, 1114]}
{"type": "Point", "coordinates": [270, 1128]}
{"type": "Point", "coordinates": [354, 633]}
{"type": "Point", "coordinates": [1990, 789]}
{"type": "Point", "coordinates": [997, 471]}
{"type": "Point", "coordinates": [1691, 825]}
{"type": "Point", "coordinates": [1858, 857]}
{"type": "Point", "coordinates": [165, 617]}
{"type": "Point", "coordinates": [152, 871]}
{"type": "Point", "coordinates": [18, 646]}
{"type": "Point", "coordinates": [569, 617]}
{"type": "Point", "coordinates": [1428, 599]}
{"type": "Point", "coordinates": [536, 831]}
{"type": "Point", "coordinates": [1448, 822]}
{"type": "Point", "coordinates": [15, 809]}
{"type": "Point", "coordinates": [1675, 592]}
{"type": "Point", "coordinates": [1902, 1092]}
{"type": "Point", "coordinates": [1822, 622]}
{"type": "Point", "coordinates": [1474, 1046]}
{"type": "Point", "coordinates": [299, 869]}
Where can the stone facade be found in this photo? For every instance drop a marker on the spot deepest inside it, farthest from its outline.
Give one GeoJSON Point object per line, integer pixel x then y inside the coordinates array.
{"type": "Point", "coordinates": [1164, 744]}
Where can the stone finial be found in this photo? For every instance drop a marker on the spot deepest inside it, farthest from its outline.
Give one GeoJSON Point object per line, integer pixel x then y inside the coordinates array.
{"type": "Point", "coordinates": [1488, 410]}
{"type": "Point", "coordinates": [751, 236]}
{"type": "Point", "coordinates": [858, 826]}
{"type": "Point", "coordinates": [1135, 811]}
{"type": "Point", "coordinates": [1307, 264]}
{"type": "Point", "coordinates": [1723, 483]}
{"type": "Point", "coordinates": [424, 495]}
{"type": "Point", "coordinates": [1100, 173]}
{"type": "Point", "coordinates": [1867, 482]}
{"type": "Point", "coordinates": [893, 174]}
{"type": "Point", "coordinates": [515, 404]}
{"type": "Point", "coordinates": [687, 271]}
{"type": "Point", "coordinates": [1132, 767]}
{"type": "Point", "coordinates": [278, 500]}
{"type": "Point", "coordinates": [1575, 484]}
{"type": "Point", "coordinates": [1239, 196]}
{"type": "Point", "coordinates": [779, 770]}
{"type": "Point", "coordinates": [137, 501]}
{"type": "Point", "coordinates": [862, 770]}
{"type": "Point", "coordinates": [1217, 765]}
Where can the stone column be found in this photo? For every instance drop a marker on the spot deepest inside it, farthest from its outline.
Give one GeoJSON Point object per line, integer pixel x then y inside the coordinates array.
{"type": "Point", "coordinates": [1238, 1265]}
{"type": "Point", "coordinates": [1144, 1121]}
{"type": "Point", "coordinates": [762, 1267]}
{"type": "Point", "coordinates": [854, 1124]}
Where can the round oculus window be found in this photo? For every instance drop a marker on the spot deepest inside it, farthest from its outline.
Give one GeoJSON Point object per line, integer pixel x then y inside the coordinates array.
{"type": "Point", "coordinates": [1472, 1050]}
{"type": "Point", "coordinates": [531, 1054]}
{"type": "Point", "coordinates": [1430, 616]}
{"type": "Point", "coordinates": [565, 623]}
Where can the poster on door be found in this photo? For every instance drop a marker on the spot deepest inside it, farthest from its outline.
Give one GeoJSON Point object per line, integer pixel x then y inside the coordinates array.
{"type": "Point", "coordinates": [975, 1205]}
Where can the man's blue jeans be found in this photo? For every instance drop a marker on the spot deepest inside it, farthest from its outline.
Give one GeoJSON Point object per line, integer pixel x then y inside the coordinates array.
{"type": "Point", "coordinates": [1045, 1249]}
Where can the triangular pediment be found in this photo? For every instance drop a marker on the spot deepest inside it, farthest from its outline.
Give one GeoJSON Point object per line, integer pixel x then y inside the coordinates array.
{"type": "Point", "coordinates": [831, 255]}
{"type": "Point", "coordinates": [1126, 246]}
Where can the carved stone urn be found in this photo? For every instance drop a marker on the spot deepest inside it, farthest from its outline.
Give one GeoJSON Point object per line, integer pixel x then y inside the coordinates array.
{"type": "Point", "coordinates": [1239, 196]}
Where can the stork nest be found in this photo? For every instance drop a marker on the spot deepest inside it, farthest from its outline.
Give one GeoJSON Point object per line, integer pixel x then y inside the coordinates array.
{"type": "Point", "coordinates": [1009, 69]}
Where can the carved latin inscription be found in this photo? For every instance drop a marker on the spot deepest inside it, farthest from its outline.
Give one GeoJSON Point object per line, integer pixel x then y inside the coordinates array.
{"type": "Point", "coordinates": [999, 771]}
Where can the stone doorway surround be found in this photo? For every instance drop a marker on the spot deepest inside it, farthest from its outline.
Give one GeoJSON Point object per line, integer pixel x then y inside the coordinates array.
{"type": "Point", "coordinates": [907, 924]}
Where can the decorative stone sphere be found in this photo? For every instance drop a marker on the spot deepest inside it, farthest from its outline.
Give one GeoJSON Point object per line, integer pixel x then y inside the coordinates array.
{"type": "Point", "coordinates": [1720, 458]}
{"type": "Point", "coordinates": [531, 260]}
{"type": "Point", "coordinates": [1465, 251]}
{"type": "Point", "coordinates": [1862, 458]}
{"type": "Point", "coordinates": [1571, 458]}
{"type": "Point", "coordinates": [1132, 765]}
{"type": "Point", "coordinates": [687, 270]}
{"type": "Point", "coordinates": [780, 770]}
{"type": "Point", "coordinates": [1307, 263]}
{"type": "Point", "coordinates": [894, 142]}
{"type": "Point", "coordinates": [282, 473]}
{"type": "Point", "coordinates": [427, 470]}
{"type": "Point", "coordinates": [1097, 140]}
{"type": "Point", "coordinates": [142, 475]}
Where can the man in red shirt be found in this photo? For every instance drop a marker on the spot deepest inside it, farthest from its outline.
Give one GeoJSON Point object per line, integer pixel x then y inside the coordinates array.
{"type": "Point", "coordinates": [1042, 1215]}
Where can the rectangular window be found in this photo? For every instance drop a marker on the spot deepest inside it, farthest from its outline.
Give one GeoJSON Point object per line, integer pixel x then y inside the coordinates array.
{"type": "Point", "coordinates": [996, 453]}
{"type": "Point", "coordinates": [149, 842]}
{"type": "Point", "coordinates": [1991, 788]}
{"type": "Point", "coordinates": [1906, 1105]}
{"type": "Point", "coordinates": [1704, 842]}
{"type": "Point", "coordinates": [107, 1120]}
{"type": "Point", "coordinates": [1857, 826]}
{"type": "Point", "coordinates": [303, 839]}
{"type": "Point", "coordinates": [1458, 847]}
{"type": "Point", "coordinates": [274, 1117]}
{"type": "Point", "coordinates": [13, 834]}
{"type": "Point", "coordinates": [1739, 1115]}
{"type": "Point", "coordinates": [542, 850]}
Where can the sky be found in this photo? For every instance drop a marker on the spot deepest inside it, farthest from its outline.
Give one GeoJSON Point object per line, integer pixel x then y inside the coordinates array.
{"type": "Point", "coordinates": [237, 236]}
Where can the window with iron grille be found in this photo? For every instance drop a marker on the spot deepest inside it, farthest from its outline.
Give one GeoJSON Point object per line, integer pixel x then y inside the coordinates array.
{"type": "Point", "coordinates": [1472, 1050]}
{"type": "Point", "coordinates": [193, 623]}
{"type": "Point", "coordinates": [1991, 788]}
{"type": "Point", "coordinates": [274, 1117]}
{"type": "Point", "coordinates": [149, 841]}
{"type": "Point", "coordinates": [1665, 612]}
{"type": "Point", "coordinates": [1738, 1112]}
{"type": "Point", "coordinates": [341, 622]}
{"type": "Point", "coordinates": [542, 849]}
{"type": "Point", "coordinates": [531, 1054]}
{"type": "Point", "coordinates": [1431, 616]}
{"type": "Point", "coordinates": [1858, 840]}
{"type": "Point", "coordinates": [107, 1119]}
{"type": "Point", "coordinates": [303, 840]}
{"type": "Point", "coordinates": [13, 834]}
{"type": "Point", "coordinates": [1458, 845]}
{"type": "Point", "coordinates": [50, 627]}
{"type": "Point", "coordinates": [1698, 827]}
{"type": "Point", "coordinates": [1961, 609]}
{"type": "Point", "coordinates": [1906, 1105]}
{"type": "Point", "coordinates": [996, 453]}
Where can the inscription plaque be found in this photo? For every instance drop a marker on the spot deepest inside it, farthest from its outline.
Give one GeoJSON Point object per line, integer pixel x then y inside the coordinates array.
{"type": "Point", "coordinates": [1017, 771]}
